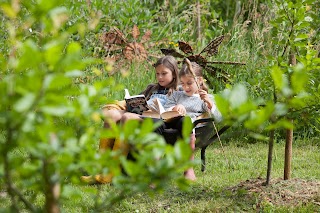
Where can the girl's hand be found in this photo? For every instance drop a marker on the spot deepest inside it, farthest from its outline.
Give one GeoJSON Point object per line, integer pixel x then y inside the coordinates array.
{"type": "Point", "coordinates": [180, 108]}
{"type": "Point", "coordinates": [205, 97]}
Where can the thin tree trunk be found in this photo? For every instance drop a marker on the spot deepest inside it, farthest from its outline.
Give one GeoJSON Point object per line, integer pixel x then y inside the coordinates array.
{"type": "Point", "coordinates": [271, 142]}
{"type": "Point", "coordinates": [52, 187]}
{"type": "Point", "coordinates": [289, 137]}
{"type": "Point", "coordinates": [288, 154]}
{"type": "Point", "coordinates": [52, 190]}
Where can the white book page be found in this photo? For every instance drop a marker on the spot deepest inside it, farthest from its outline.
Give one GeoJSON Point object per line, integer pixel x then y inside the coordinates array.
{"type": "Point", "coordinates": [159, 106]}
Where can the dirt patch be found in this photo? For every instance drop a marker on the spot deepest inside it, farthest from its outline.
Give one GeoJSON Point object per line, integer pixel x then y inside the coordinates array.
{"type": "Point", "coordinates": [282, 192]}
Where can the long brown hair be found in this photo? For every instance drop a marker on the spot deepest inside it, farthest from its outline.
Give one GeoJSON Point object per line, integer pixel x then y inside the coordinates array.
{"type": "Point", "coordinates": [171, 63]}
{"type": "Point", "coordinates": [197, 69]}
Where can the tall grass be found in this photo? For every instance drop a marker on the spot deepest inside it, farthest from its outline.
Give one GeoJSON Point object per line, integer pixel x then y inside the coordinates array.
{"type": "Point", "coordinates": [135, 77]}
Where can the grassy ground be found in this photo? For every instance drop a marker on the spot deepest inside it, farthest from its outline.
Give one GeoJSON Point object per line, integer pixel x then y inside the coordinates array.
{"type": "Point", "coordinates": [233, 182]}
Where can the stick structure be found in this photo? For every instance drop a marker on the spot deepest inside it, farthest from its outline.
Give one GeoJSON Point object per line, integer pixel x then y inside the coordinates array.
{"type": "Point", "coordinates": [192, 71]}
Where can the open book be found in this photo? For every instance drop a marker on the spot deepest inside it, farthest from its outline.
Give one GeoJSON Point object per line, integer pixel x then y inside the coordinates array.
{"type": "Point", "coordinates": [157, 111]}
{"type": "Point", "coordinates": [136, 103]}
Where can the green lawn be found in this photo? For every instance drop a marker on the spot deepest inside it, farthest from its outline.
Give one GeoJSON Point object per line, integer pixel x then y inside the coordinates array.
{"type": "Point", "coordinates": [218, 189]}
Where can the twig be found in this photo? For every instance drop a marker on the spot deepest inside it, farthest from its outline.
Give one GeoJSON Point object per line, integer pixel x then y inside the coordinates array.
{"type": "Point", "coordinates": [192, 71]}
{"type": "Point", "coordinates": [224, 154]}
{"type": "Point", "coordinates": [226, 62]}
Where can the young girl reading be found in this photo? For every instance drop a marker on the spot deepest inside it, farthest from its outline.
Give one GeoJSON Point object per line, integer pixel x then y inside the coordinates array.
{"type": "Point", "coordinates": [193, 101]}
{"type": "Point", "coordinates": [167, 80]}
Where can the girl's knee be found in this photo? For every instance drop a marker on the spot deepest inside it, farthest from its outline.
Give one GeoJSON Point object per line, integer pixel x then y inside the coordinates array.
{"type": "Point", "coordinates": [130, 116]}
{"type": "Point", "coordinates": [124, 118]}
{"type": "Point", "coordinates": [113, 115]}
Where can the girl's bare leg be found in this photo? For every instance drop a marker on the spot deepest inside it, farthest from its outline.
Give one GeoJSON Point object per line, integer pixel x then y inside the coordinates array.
{"type": "Point", "coordinates": [189, 174]}
{"type": "Point", "coordinates": [113, 115]}
{"type": "Point", "coordinates": [109, 116]}
{"type": "Point", "coordinates": [129, 116]}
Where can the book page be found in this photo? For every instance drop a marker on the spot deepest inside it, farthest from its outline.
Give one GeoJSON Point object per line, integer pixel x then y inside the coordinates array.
{"type": "Point", "coordinates": [158, 111]}
{"type": "Point", "coordinates": [159, 106]}
{"type": "Point", "coordinates": [168, 115]}
{"type": "Point", "coordinates": [151, 114]}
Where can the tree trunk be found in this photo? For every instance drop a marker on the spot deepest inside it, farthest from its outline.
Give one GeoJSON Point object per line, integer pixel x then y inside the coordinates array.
{"type": "Point", "coordinates": [52, 190]}
{"type": "Point", "coordinates": [52, 187]}
{"type": "Point", "coordinates": [289, 137]}
{"type": "Point", "coordinates": [288, 154]}
{"type": "Point", "coordinates": [271, 142]}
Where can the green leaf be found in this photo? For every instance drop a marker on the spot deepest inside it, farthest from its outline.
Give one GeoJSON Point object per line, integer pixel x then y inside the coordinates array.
{"type": "Point", "coordinates": [282, 123]}
{"type": "Point", "coordinates": [74, 73]}
{"type": "Point", "coordinates": [187, 127]}
{"type": "Point", "coordinates": [48, 5]}
{"type": "Point", "coordinates": [25, 102]}
{"type": "Point", "coordinates": [258, 136]}
{"type": "Point", "coordinates": [31, 56]}
{"type": "Point", "coordinates": [299, 101]}
{"type": "Point", "coordinates": [238, 96]}
{"type": "Point", "coordinates": [8, 10]}
{"type": "Point", "coordinates": [73, 60]}
{"type": "Point", "coordinates": [245, 108]}
{"type": "Point", "coordinates": [53, 52]}
{"type": "Point", "coordinates": [277, 76]}
{"type": "Point", "coordinates": [302, 25]}
{"type": "Point", "coordinates": [182, 150]}
{"type": "Point", "coordinates": [56, 110]}
{"type": "Point", "coordinates": [280, 109]}
{"type": "Point", "coordinates": [28, 124]}
{"type": "Point", "coordinates": [130, 168]}
{"type": "Point", "coordinates": [146, 126]}
{"type": "Point", "coordinates": [130, 128]}
{"type": "Point", "coordinates": [260, 116]}
{"type": "Point", "coordinates": [299, 78]}
{"type": "Point", "coordinates": [56, 82]}
{"type": "Point", "coordinates": [74, 48]}
{"type": "Point", "coordinates": [222, 104]}
{"type": "Point", "coordinates": [301, 37]}
{"type": "Point", "coordinates": [300, 12]}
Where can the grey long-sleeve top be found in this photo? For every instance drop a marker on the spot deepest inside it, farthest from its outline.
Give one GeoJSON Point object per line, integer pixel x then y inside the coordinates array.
{"type": "Point", "coordinates": [193, 104]}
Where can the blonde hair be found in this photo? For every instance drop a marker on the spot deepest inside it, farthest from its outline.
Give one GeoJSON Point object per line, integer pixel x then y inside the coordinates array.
{"type": "Point", "coordinates": [197, 69]}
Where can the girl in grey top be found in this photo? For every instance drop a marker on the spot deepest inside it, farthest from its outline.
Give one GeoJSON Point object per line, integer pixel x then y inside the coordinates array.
{"type": "Point", "coordinates": [193, 101]}
{"type": "Point", "coordinates": [193, 105]}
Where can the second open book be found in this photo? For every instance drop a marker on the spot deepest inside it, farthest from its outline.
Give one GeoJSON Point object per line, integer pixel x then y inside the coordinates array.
{"type": "Point", "coordinates": [157, 111]}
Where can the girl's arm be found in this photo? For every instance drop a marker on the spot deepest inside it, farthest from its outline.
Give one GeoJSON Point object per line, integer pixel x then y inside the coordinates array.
{"type": "Point", "coordinates": [205, 97]}
{"type": "Point", "coordinates": [215, 111]}
{"type": "Point", "coordinates": [209, 101]}
{"type": "Point", "coordinates": [171, 101]}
